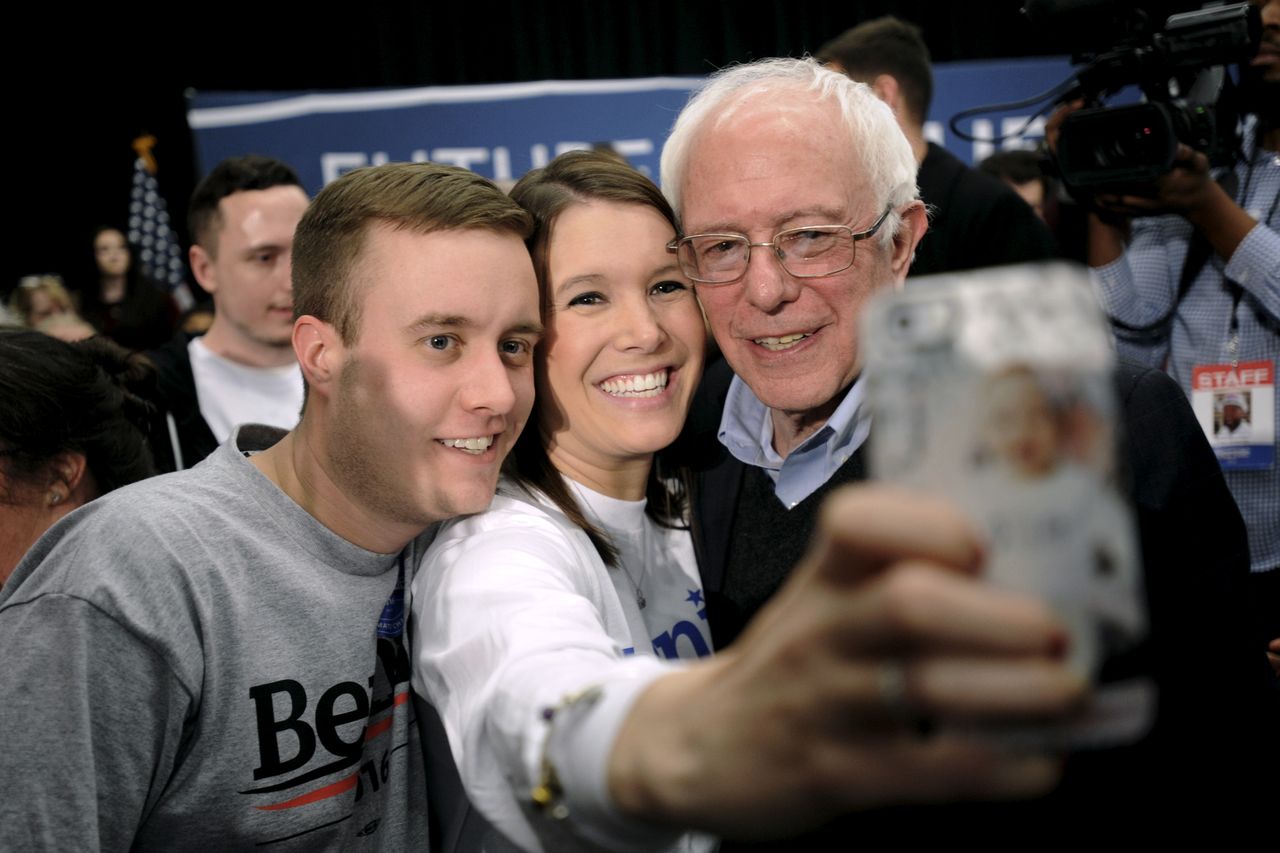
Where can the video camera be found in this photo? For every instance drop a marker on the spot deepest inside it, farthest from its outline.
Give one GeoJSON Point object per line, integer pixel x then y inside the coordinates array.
{"type": "Point", "coordinates": [1180, 68]}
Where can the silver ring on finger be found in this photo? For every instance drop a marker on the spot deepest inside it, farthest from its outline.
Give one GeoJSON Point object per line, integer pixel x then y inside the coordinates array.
{"type": "Point", "coordinates": [891, 683]}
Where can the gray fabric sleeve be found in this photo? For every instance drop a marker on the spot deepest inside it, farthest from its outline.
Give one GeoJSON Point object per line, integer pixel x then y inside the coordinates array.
{"type": "Point", "coordinates": [94, 719]}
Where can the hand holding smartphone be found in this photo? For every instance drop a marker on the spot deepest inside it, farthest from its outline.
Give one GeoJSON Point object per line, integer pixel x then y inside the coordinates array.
{"type": "Point", "coordinates": [993, 388]}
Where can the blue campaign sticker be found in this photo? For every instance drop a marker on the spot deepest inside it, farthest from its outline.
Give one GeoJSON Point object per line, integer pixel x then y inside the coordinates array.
{"type": "Point", "coordinates": [391, 622]}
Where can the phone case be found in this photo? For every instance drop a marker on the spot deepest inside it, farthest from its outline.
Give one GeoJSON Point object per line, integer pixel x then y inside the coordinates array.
{"type": "Point", "coordinates": [994, 388]}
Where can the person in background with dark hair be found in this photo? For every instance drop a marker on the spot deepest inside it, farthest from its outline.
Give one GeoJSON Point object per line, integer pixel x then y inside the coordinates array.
{"type": "Point", "coordinates": [72, 427]}
{"type": "Point", "coordinates": [582, 572]}
{"type": "Point", "coordinates": [1020, 169]}
{"type": "Point", "coordinates": [242, 370]}
{"type": "Point", "coordinates": [122, 303]}
{"type": "Point", "coordinates": [975, 221]}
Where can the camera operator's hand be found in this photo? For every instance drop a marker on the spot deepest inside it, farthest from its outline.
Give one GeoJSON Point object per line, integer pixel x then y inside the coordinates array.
{"type": "Point", "coordinates": [814, 711]}
{"type": "Point", "coordinates": [1189, 190]}
{"type": "Point", "coordinates": [1185, 190]}
{"type": "Point", "coordinates": [1053, 127]}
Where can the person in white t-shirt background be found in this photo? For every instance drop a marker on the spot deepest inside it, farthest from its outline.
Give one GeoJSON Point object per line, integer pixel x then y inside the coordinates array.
{"type": "Point", "coordinates": [242, 370]}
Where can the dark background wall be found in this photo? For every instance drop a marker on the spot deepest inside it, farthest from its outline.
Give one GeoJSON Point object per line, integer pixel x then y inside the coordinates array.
{"type": "Point", "coordinates": [85, 84]}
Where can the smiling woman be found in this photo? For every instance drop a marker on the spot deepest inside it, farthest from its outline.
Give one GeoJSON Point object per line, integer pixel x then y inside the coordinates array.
{"type": "Point", "coordinates": [580, 579]}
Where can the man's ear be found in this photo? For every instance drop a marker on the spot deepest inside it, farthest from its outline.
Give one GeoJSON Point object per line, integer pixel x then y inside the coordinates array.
{"type": "Point", "coordinates": [915, 222]}
{"type": "Point", "coordinates": [886, 88]}
{"type": "Point", "coordinates": [319, 350]}
{"type": "Point", "coordinates": [68, 473]}
{"type": "Point", "coordinates": [202, 268]}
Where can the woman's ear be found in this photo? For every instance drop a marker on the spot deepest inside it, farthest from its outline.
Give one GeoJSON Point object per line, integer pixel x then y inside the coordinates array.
{"type": "Point", "coordinates": [69, 477]}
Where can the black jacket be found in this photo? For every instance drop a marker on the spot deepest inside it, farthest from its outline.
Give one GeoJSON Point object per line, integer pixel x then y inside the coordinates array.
{"type": "Point", "coordinates": [975, 220]}
{"type": "Point", "coordinates": [176, 388]}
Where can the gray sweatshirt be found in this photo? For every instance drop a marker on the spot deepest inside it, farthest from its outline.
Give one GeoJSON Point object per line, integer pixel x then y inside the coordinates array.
{"type": "Point", "coordinates": [194, 662]}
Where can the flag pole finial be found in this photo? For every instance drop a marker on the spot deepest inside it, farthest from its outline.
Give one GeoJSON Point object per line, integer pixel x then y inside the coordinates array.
{"type": "Point", "coordinates": [142, 147]}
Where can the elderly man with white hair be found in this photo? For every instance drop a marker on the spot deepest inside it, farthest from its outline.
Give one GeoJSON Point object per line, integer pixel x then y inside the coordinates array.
{"type": "Point", "coordinates": [778, 152]}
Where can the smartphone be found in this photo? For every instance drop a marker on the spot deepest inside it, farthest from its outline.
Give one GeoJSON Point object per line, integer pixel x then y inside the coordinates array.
{"type": "Point", "coordinates": [994, 388]}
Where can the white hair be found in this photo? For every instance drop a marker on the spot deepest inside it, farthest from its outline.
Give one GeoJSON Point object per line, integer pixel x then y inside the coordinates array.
{"type": "Point", "coordinates": [874, 136]}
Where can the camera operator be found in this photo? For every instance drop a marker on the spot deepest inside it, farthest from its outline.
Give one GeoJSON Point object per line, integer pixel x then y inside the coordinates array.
{"type": "Point", "coordinates": [1190, 274]}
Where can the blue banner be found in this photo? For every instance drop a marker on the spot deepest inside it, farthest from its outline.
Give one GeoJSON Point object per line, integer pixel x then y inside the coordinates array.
{"type": "Point", "coordinates": [502, 131]}
{"type": "Point", "coordinates": [961, 86]}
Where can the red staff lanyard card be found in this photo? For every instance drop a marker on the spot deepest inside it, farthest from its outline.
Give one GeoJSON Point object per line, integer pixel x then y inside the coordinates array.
{"type": "Point", "coordinates": [1235, 405]}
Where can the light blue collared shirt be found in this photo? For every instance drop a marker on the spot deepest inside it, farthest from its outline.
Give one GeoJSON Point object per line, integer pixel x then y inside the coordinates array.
{"type": "Point", "coordinates": [746, 430]}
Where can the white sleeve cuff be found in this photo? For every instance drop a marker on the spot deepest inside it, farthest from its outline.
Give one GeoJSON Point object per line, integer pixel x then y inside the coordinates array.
{"type": "Point", "coordinates": [579, 745]}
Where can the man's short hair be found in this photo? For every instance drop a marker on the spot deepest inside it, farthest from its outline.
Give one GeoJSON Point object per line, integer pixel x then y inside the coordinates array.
{"type": "Point", "coordinates": [1018, 166]}
{"type": "Point", "coordinates": [876, 142]}
{"type": "Point", "coordinates": [419, 197]}
{"type": "Point", "coordinates": [233, 175]}
{"type": "Point", "coordinates": [886, 46]}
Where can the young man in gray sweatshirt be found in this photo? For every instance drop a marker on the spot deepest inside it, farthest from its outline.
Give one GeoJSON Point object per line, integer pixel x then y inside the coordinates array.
{"type": "Point", "coordinates": [215, 658]}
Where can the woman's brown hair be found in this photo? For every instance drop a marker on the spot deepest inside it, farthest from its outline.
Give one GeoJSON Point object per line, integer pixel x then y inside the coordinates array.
{"type": "Point", "coordinates": [579, 177]}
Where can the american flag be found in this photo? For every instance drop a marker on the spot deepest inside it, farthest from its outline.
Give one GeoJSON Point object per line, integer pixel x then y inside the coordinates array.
{"type": "Point", "coordinates": [149, 231]}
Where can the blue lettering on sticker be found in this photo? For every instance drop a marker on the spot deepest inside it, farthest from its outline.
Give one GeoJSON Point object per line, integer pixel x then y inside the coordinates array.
{"type": "Point", "coordinates": [391, 622]}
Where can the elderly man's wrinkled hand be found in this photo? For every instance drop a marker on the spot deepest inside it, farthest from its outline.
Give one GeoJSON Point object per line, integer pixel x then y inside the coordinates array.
{"type": "Point", "coordinates": [840, 694]}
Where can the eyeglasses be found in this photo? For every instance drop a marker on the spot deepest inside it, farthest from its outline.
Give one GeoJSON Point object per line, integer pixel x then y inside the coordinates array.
{"type": "Point", "coordinates": [809, 252]}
